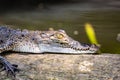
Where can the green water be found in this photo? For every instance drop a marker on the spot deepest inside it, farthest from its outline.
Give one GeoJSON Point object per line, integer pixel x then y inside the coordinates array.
{"type": "Point", "coordinates": [105, 22]}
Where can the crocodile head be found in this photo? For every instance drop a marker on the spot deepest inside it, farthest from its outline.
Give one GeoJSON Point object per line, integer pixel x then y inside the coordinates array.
{"type": "Point", "coordinates": [60, 42]}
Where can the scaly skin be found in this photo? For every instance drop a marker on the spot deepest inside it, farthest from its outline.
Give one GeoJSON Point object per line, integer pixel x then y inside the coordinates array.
{"type": "Point", "coordinates": [39, 42]}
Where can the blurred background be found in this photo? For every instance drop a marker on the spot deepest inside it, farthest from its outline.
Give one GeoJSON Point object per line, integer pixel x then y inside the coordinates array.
{"type": "Point", "coordinates": [70, 15]}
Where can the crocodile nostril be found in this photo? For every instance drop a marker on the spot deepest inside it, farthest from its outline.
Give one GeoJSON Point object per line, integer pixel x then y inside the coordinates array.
{"type": "Point", "coordinates": [93, 46]}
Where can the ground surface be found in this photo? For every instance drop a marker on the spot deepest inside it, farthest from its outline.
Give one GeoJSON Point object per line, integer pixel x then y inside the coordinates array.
{"type": "Point", "coordinates": [65, 67]}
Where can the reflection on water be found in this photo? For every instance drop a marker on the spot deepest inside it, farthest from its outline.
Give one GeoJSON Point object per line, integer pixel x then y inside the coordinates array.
{"type": "Point", "coordinates": [106, 22]}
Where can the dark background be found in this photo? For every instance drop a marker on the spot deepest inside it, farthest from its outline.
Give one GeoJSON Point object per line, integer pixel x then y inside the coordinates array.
{"type": "Point", "coordinates": [6, 5]}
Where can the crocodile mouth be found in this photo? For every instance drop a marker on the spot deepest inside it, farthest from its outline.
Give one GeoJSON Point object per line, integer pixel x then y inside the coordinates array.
{"type": "Point", "coordinates": [73, 47]}
{"type": "Point", "coordinates": [81, 47]}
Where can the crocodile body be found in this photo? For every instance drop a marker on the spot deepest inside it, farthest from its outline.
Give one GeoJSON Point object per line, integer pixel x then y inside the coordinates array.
{"type": "Point", "coordinates": [38, 42]}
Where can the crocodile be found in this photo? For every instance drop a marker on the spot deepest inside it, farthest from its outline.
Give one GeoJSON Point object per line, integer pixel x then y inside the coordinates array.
{"type": "Point", "coordinates": [38, 42]}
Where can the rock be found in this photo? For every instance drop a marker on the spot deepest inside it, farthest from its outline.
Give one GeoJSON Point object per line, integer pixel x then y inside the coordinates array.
{"type": "Point", "coordinates": [65, 67]}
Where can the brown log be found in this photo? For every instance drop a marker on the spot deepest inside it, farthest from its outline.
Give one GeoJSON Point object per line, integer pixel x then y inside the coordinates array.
{"type": "Point", "coordinates": [65, 67]}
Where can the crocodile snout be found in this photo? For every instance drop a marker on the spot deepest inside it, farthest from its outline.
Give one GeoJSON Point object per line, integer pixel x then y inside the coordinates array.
{"type": "Point", "coordinates": [84, 47]}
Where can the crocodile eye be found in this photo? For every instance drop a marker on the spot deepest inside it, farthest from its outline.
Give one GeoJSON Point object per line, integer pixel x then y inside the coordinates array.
{"type": "Point", "coordinates": [60, 36]}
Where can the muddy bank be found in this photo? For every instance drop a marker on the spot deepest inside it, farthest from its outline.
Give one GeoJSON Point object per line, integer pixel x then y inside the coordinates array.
{"type": "Point", "coordinates": [65, 67]}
